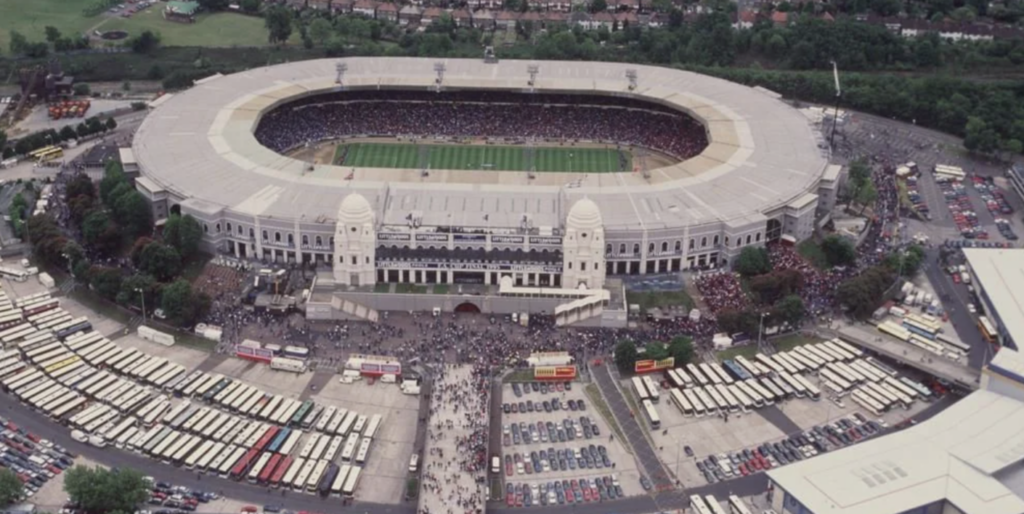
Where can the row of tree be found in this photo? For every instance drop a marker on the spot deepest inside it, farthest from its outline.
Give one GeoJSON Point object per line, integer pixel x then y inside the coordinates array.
{"type": "Point", "coordinates": [34, 141]}
{"type": "Point", "coordinates": [91, 489]}
{"type": "Point", "coordinates": [627, 353]}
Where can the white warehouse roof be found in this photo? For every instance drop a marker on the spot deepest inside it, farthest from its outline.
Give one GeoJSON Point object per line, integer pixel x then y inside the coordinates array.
{"type": "Point", "coordinates": [1000, 273]}
{"type": "Point", "coordinates": [961, 455]}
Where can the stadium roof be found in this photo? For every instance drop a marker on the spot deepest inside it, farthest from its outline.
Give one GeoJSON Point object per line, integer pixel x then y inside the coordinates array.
{"type": "Point", "coordinates": [762, 155]}
{"type": "Point", "coordinates": [1000, 274]}
{"type": "Point", "coordinates": [962, 455]}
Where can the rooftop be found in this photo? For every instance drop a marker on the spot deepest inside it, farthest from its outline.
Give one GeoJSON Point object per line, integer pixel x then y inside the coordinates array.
{"type": "Point", "coordinates": [762, 155]}
{"type": "Point", "coordinates": [953, 456]}
{"type": "Point", "coordinates": [1000, 274]}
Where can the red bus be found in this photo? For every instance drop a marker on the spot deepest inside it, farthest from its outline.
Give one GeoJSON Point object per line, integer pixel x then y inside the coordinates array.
{"type": "Point", "coordinates": [282, 468]}
{"type": "Point", "coordinates": [269, 468]}
{"type": "Point", "coordinates": [243, 464]}
{"type": "Point", "coordinates": [268, 436]}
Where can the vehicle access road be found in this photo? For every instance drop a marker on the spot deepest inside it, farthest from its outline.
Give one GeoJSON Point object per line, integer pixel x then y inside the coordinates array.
{"type": "Point", "coordinates": [954, 298]}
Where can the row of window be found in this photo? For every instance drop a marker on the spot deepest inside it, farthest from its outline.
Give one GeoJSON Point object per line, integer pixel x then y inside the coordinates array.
{"type": "Point", "coordinates": [679, 245]}
{"type": "Point", "coordinates": [288, 237]}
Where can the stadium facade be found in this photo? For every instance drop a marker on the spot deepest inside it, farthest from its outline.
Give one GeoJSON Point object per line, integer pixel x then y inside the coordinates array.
{"type": "Point", "coordinates": [763, 175]}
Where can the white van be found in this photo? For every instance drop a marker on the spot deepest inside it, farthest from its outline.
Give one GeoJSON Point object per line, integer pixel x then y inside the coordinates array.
{"type": "Point", "coordinates": [388, 378]}
{"type": "Point", "coordinates": [414, 462]}
{"type": "Point", "coordinates": [80, 436]}
{"type": "Point", "coordinates": [495, 464]}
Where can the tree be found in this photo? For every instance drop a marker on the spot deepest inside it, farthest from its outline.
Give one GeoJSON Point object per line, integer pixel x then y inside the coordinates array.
{"type": "Point", "coordinates": [626, 356]}
{"type": "Point", "coordinates": [681, 348]}
{"type": "Point", "coordinates": [320, 30]}
{"type": "Point", "coordinates": [250, 6]}
{"type": "Point", "coordinates": [184, 234]}
{"type": "Point", "coordinates": [180, 305]}
{"type": "Point", "coordinates": [838, 251]}
{"type": "Point", "coordinates": [146, 42]}
{"type": "Point", "coordinates": [131, 287]}
{"type": "Point", "coordinates": [790, 309]}
{"type": "Point", "coordinates": [134, 214]}
{"type": "Point", "coordinates": [100, 232]}
{"type": "Point", "coordinates": [655, 350]}
{"type": "Point", "coordinates": [160, 261]}
{"type": "Point", "coordinates": [597, 6]}
{"type": "Point", "coordinates": [111, 124]}
{"type": "Point", "coordinates": [906, 263]}
{"type": "Point", "coordinates": [862, 293]}
{"type": "Point", "coordinates": [278, 21]}
{"type": "Point", "coordinates": [753, 260]}
{"type": "Point", "coordinates": [732, 321]}
{"type": "Point", "coordinates": [105, 281]}
{"type": "Point", "coordinates": [19, 43]}
{"type": "Point", "coordinates": [52, 34]}
{"type": "Point", "coordinates": [214, 5]}
{"type": "Point", "coordinates": [979, 137]}
{"type": "Point", "coordinates": [67, 133]}
{"type": "Point", "coordinates": [10, 488]}
{"type": "Point", "coordinates": [100, 490]}
{"type": "Point", "coordinates": [79, 185]}
{"type": "Point", "coordinates": [866, 196]}
{"type": "Point", "coordinates": [113, 176]}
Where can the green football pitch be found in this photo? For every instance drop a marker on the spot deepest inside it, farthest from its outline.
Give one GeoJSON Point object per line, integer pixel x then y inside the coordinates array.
{"type": "Point", "coordinates": [483, 157]}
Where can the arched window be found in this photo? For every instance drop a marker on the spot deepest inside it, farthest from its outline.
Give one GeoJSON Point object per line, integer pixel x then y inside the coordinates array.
{"type": "Point", "coordinates": [608, 249]}
{"type": "Point", "coordinates": [664, 246]}
{"type": "Point", "coordinates": [291, 239]}
{"type": "Point", "coordinates": [726, 241]}
{"type": "Point", "coordinates": [229, 228]}
{"type": "Point", "coordinates": [703, 241]}
{"type": "Point", "coordinates": [622, 249]}
{"type": "Point", "coordinates": [650, 248]}
{"type": "Point", "coordinates": [692, 243]}
{"type": "Point", "coordinates": [265, 237]}
{"type": "Point", "coordinates": [241, 230]}
{"type": "Point", "coordinates": [748, 238]}
{"type": "Point", "coordinates": [305, 240]}
{"type": "Point", "coordinates": [319, 241]}
{"type": "Point", "coordinates": [757, 237]}
{"type": "Point", "coordinates": [636, 248]}
{"type": "Point", "coordinates": [206, 228]}
{"type": "Point", "coordinates": [332, 240]}
{"type": "Point", "coordinates": [217, 228]}
{"type": "Point", "coordinates": [679, 246]}
{"type": "Point", "coordinates": [277, 237]}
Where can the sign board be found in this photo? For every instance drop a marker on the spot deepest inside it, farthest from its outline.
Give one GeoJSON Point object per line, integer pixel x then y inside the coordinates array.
{"type": "Point", "coordinates": [554, 372]}
{"type": "Point", "coordinates": [379, 368]}
{"type": "Point", "coordinates": [254, 354]}
{"type": "Point", "coordinates": [650, 365]}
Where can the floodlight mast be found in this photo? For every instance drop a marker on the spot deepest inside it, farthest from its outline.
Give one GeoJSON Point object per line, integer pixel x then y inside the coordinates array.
{"type": "Point", "coordinates": [341, 68]}
{"type": "Point", "coordinates": [439, 68]}
{"type": "Point", "coordinates": [631, 77]}
{"type": "Point", "coordinates": [532, 70]}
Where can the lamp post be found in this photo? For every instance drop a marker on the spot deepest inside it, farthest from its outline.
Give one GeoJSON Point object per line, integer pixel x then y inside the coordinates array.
{"type": "Point", "coordinates": [760, 330]}
{"type": "Point", "coordinates": [142, 297]}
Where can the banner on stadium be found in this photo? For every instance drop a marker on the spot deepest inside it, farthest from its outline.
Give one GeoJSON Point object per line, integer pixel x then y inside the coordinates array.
{"type": "Point", "coordinates": [649, 365]}
{"type": "Point", "coordinates": [379, 368]}
{"type": "Point", "coordinates": [554, 372]}
{"type": "Point", "coordinates": [253, 354]}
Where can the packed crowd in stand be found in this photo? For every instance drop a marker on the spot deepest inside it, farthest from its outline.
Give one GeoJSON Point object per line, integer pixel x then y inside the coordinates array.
{"type": "Point", "coordinates": [721, 290]}
{"type": "Point", "coordinates": [393, 115]}
{"type": "Point", "coordinates": [455, 461]}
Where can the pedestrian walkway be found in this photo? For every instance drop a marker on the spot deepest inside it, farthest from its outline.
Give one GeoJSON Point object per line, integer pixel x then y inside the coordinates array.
{"type": "Point", "coordinates": [455, 452]}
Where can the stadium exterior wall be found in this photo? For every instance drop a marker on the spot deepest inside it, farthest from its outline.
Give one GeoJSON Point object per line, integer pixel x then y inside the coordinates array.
{"type": "Point", "coordinates": [641, 237]}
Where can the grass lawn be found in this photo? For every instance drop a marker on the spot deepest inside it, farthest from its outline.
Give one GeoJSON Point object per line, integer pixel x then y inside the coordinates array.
{"type": "Point", "coordinates": [440, 288]}
{"type": "Point", "coordinates": [651, 299]}
{"type": "Point", "coordinates": [597, 402]}
{"type": "Point", "coordinates": [519, 375]}
{"type": "Point", "coordinates": [788, 342]}
{"type": "Point", "coordinates": [210, 30]}
{"type": "Point", "coordinates": [31, 17]}
{"type": "Point", "coordinates": [747, 351]}
{"type": "Point", "coordinates": [480, 157]}
{"type": "Point", "coordinates": [811, 251]}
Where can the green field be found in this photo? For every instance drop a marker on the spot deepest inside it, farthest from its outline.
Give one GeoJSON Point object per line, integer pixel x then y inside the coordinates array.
{"type": "Point", "coordinates": [481, 157]}
{"type": "Point", "coordinates": [210, 30]}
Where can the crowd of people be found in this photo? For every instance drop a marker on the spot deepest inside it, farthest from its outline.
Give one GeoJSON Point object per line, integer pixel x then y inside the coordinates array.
{"type": "Point", "coordinates": [450, 116]}
{"type": "Point", "coordinates": [721, 290]}
{"type": "Point", "coordinates": [455, 462]}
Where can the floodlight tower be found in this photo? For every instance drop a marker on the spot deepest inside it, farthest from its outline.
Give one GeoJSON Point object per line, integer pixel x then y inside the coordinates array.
{"type": "Point", "coordinates": [631, 77]}
{"type": "Point", "coordinates": [341, 68]}
{"type": "Point", "coordinates": [532, 70]}
{"type": "Point", "coordinates": [439, 68]}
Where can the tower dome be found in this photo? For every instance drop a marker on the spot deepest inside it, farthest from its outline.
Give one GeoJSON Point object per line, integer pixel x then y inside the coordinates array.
{"type": "Point", "coordinates": [584, 215]}
{"type": "Point", "coordinates": [355, 210]}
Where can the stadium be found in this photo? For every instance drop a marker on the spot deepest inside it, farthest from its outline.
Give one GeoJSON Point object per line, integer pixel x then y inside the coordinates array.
{"type": "Point", "coordinates": [531, 186]}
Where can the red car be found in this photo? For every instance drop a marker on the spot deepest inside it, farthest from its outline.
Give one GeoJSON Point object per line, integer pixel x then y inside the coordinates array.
{"type": "Point", "coordinates": [510, 499]}
{"type": "Point", "coordinates": [508, 467]}
{"type": "Point", "coordinates": [586, 494]}
{"type": "Point", "coordinates": [743, 469]}
{"type": "Point", "coordinates": [956, 278]}
{"type": "Point", "coordinates": [32, 437]}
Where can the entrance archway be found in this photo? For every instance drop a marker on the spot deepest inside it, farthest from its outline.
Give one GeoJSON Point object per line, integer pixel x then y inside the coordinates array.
{"type": "Point", "coordinates": [467, 308]}
{"type": "Point", "coordinates": [773, 231]}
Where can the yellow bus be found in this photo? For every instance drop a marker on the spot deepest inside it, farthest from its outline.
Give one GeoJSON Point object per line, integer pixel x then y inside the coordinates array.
{"type": "Point", "coordinates": [51, 155]}
{"type": "Point", "coordinates": [40, 151]}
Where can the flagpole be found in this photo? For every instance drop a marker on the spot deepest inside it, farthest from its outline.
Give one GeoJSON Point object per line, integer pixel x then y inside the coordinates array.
{"type": "Point", "coordinates": [835, 115]}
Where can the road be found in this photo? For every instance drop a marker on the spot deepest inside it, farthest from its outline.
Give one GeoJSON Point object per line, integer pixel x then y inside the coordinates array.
{"type": "Point", "coordinates": [954, 299]}
{"type": "Point", "coordinates": [632, 429]}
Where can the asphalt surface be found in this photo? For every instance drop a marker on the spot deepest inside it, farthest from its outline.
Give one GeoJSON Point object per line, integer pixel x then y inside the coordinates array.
{"type": "Point", "coordinates": [778, 419]}
{"type": "Point", "coordinates": [954, 298]}
{"type": "Point", "coordinates": [632, 428]}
